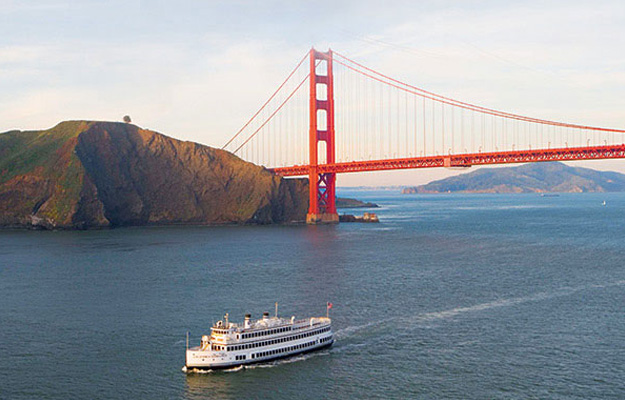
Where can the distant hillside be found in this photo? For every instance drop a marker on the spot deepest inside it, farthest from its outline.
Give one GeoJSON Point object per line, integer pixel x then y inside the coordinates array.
{"type": "Point", "coordinates": [343, 202]}
{"type": "Point", "coordinates": [82, 174]}
{"type": "Point", "coordinates": [528, 178]}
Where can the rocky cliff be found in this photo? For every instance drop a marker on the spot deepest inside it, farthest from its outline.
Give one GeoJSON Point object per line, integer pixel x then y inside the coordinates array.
{"type": "Point", "coordinates": [83, 174]}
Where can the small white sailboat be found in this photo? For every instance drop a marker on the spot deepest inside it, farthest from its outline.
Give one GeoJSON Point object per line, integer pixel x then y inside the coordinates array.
{"type": "Point", "coordinates": [604, 203]}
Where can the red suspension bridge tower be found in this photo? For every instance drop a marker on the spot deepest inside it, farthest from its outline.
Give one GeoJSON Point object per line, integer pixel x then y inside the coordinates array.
{"type": "Point", "coordinates": [322, 193]}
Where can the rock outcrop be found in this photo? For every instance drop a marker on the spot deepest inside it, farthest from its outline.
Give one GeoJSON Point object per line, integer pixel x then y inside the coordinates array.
{"type": "Point", "coordinates": [83, 174]}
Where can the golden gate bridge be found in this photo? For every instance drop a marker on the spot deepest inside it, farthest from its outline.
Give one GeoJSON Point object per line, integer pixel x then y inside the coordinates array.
{"type": "Point", "coordinates": [334, 115]}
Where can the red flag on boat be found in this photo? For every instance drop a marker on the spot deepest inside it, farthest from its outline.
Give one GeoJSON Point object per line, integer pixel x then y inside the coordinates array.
{"type": "Point", "coordinates": [329, 305]}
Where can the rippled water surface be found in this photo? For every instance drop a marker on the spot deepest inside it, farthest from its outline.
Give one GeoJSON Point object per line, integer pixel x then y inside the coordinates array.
{"type": "Point", "coordinates": [450, 296]}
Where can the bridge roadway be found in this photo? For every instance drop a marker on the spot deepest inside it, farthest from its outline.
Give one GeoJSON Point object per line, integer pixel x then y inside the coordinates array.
{"type": "Point", "coordinates": [463, 160]}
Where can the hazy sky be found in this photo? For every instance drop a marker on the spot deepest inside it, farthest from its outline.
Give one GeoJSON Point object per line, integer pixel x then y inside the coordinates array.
{"type": "Point", "coordinates": [196, 70]}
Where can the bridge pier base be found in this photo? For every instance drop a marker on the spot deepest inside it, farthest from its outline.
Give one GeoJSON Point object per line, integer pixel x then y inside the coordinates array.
{"type": "Point", "coordinates": [321, 219]}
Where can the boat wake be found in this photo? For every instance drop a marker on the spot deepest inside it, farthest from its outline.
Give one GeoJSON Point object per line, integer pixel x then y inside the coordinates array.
{"type": "Point", "coordinates": [210, 371]}
{"type": "Point", "coordinates": [564, 291]}
{"type": "Point", "coordinates": [351, 331]}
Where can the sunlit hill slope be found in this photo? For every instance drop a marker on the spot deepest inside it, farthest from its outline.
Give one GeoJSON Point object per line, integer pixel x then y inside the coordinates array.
{"type": "Point", "coordinates": [82, 174]}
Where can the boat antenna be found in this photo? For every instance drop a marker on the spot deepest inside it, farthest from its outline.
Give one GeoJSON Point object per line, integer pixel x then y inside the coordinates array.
{"type": "Point", "coordinates": [276, 309]}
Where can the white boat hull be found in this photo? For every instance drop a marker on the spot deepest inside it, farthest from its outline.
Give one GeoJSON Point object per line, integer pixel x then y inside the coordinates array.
{"type": "Point", "coordinates": [196, 364]}
{"type": "Point", "coordinates": [231, 345]}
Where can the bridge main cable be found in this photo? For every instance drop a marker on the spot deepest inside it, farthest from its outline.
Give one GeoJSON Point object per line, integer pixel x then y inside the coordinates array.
{"type": "Point", "coordinates": [452, 102]}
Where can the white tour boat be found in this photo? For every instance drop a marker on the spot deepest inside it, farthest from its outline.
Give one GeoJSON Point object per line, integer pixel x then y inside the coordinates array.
{"type": "Point", "coordinates": [231, 345]}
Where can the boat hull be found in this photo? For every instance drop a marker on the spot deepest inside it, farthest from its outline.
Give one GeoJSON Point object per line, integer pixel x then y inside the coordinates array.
{"type": "Point", "coordinates": [191, 368]}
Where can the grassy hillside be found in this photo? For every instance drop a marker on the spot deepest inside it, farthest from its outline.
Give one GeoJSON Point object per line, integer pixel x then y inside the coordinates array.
{"type": "Point", "coordinates": [82, 174]}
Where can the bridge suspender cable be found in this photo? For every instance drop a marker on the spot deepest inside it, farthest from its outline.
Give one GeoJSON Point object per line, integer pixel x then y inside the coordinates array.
{"type": "Point", "coordinates": [272, 114]}
{"type": "Point", "coordinates": [267, 102]}
{"type": "Point", "coordinates": [446, 100]}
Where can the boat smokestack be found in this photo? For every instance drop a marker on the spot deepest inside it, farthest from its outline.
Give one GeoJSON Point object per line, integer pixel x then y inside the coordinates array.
{"type": "Point", "coordinates": [247, 321]}
{"type": "Point", "coordinates": [265, 316]}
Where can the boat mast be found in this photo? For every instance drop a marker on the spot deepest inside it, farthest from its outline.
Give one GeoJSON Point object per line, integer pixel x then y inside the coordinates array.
{"type": "Point", "coordinates": [186, 353]}
{"type": "Point", "coordinates": [276, 309]}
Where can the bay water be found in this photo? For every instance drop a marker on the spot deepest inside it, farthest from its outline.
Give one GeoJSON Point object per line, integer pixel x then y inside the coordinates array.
{"type": "Point", "coordinates": [448, 297]}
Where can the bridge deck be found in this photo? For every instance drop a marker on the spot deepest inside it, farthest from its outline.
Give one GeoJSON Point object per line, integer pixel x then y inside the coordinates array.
{"type": "Point", "coordinates": [464, 160]}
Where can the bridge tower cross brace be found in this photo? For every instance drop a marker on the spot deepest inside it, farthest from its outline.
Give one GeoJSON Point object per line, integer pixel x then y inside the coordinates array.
{"type": "Point", "coordinates": [322, 186]}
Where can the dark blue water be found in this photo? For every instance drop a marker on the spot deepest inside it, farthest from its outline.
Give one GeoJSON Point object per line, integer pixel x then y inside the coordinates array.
{"type": "Point", "coordinates": [456, 297]}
